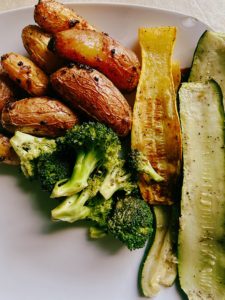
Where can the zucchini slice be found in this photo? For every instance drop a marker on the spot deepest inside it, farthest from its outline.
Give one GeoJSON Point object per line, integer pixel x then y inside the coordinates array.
{"type": "Point", "coordinates": [156, 128]}
{"type": "Point", "coordinates": [201, 250]}
{"type": "Point", "coordinates": [209, 59]}
{"type": "Point", "coordinates": [160, 264]}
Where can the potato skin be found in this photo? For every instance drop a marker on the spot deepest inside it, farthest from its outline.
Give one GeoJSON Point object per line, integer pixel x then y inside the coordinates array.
{"type": "Point", "coordinates": [40, 116]}
{"type": "Point", "coordinates": [7, 154]}
{"type": "Point", "coordinates": [23, 71]}
{"type": "Point", "coordinates": [35, 41]}
{"type": "Point", "coordinates": [6, 89]}
{"type": "Point", "coordinates": [101, 52]}
{"type": "Point", "coordinates": [91, 92]}
{"type": "Point", "coordinates": [53, 17]}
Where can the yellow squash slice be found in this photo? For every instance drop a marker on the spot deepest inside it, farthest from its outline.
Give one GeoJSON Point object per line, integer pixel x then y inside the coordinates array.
{"type": "Point", "coordinates": [156, 128]}
{"type": "Point", "coordinates": [176, 73]}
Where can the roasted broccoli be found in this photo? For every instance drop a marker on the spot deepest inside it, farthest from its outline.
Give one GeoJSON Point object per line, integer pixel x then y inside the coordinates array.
{"type": "Point", "coordinates": [97, 232]}
{"type": "Point", "coordinates": [29, 148]}
{"type": "Point", "coordinates": [88, 168]}
{"type": "Point", "coordinates": [139, 163]}
{"type": "Point", "coordinates": [99, 210]}
{"type": "Point", "coordinates": [93, 144]}
{"type": "Point", "coordinates": [85, 204]}
{"type": "Point", "coordinates": [117, 178]}
{"type": "Point", "coordinates": [131, 221]}
{"type": "Point", "coordinates": [52, 167]}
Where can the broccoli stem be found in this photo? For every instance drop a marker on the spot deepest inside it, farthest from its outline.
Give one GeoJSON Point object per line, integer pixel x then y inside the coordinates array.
{"type": "Point", "coordinates": [84, 166]}
{"type": "Point", "coordinates": [97, 232]}
{"type": "Point", "coordinates": [72, 209]}
{"type": "Point", "coordinates": [113, 182]}
{"type": "Point", "coordinates": [148, 169]}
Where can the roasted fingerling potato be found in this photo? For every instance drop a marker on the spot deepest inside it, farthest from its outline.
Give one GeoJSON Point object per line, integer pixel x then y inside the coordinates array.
{"type": "Point", "coordinates": [7, 154]}
{"type": "Point", "coordinates": [53, 17]}
{"type": "Point", "coordinates": [40, 116]}
{"type": "Point", "coordinates": [35, 41]}
{"type": "Point", "coordinates": [25, 73]}
{"type": "Point", "coordinates": [90, 91]}
{"type": "Point", "coordinates": [101, 52]}
{"type": "Point", "coordinates": [6, 89]}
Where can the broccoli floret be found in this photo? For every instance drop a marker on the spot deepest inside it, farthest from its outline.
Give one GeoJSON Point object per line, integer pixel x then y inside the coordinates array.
{"type": "Point", "coordinates": [99, 210]}
{"type": "Point", "coordinates": [93, 143]}
{"type": "Point", "coordinates": [139, 163]}
{"type": "Point", "coordinates": [131, 222]}
{"type": "Point", "coordinates": [97, 232]}
{"type": "Point", "coordinates": [52, 167]}
{"type": "Point", "coordinates": [29, 148]}
{"type": "Point", "coordinates": [85, 205]}
{"type": "Point", "coordinates": [117, 178]}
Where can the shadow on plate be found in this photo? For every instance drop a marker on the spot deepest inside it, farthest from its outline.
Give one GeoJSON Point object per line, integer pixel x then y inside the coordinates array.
{"type": "Point", "coordinates": [43, 204]}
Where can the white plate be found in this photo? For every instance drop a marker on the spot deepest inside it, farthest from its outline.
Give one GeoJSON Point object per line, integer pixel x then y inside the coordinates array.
{"type": "Point", "coordinates": [39, 260]}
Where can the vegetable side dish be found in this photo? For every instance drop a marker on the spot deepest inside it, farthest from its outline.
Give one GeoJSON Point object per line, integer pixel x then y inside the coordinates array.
{"type": "Point", "coordinates": [146, 173]}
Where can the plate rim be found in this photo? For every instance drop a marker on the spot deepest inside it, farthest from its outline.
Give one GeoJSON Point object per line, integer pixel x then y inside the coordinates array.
{"type": "Point", "coordinates": [114, 4]}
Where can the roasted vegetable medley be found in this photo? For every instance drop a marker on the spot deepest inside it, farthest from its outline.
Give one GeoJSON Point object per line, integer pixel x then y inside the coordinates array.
{"type": "Point", "coordinates": [67, 123]}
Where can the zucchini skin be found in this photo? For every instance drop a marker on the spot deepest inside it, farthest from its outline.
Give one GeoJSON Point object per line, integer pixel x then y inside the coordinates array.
{"type": "Point", "coordinates": [209, 60]}
{"type": "Point", "coordinates": [159, 266]}
{"type": "Point", "coordinates": [201, 255]}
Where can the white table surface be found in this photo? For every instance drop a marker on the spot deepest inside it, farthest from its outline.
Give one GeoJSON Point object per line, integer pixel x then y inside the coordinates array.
{"type": "Point", "coordinates": [212, 12]}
